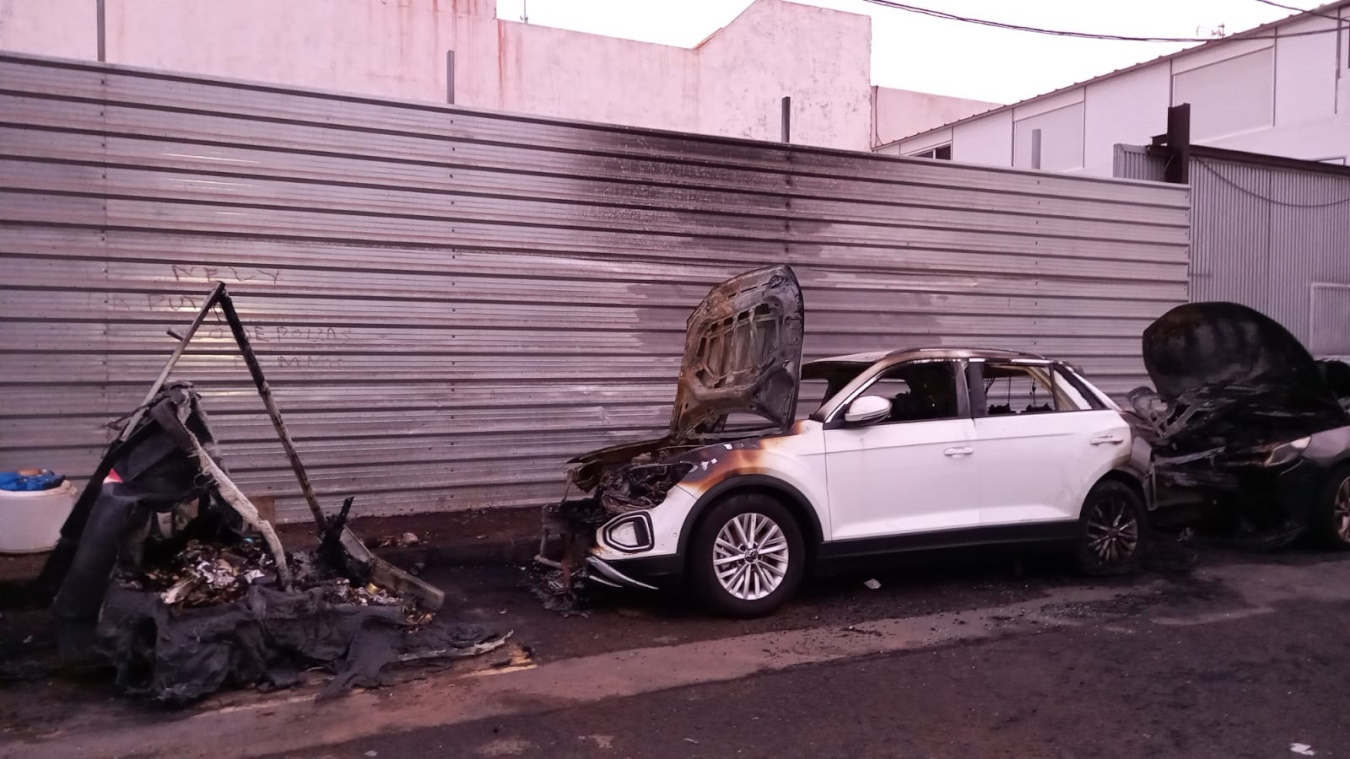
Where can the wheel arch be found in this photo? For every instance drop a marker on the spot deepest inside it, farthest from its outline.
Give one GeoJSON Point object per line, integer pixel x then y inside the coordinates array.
{"type": "Point", "coordinates": [784, 493]}
{"type": "Point", "coordinates": [1130, 480]}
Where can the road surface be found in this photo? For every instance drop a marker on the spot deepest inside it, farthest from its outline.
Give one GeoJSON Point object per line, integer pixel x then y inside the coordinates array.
{"type": "Point", "coordinates": [988, 655]}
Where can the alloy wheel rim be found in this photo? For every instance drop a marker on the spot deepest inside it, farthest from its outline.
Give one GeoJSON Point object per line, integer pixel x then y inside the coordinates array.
{"type": "Point", "coordinates": [750, 556]}
{"type": "Point", "coordinates": [1341, 510]}
{"type": "Point", "coordinates": [1113, 531]}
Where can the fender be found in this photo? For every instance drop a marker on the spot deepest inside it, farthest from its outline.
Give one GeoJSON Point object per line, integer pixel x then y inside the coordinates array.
{"type": "Point", "coordinates": [798, 503]}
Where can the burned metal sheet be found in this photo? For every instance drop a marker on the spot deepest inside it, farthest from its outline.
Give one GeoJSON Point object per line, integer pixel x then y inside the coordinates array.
{"type": "Point", "coordinates": [742, 354]}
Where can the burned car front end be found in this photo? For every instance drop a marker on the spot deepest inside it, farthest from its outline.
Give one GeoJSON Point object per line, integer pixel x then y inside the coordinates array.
{"type": "Point", "coordinates": [738, 385]}
{"type": "Point", "coordinates": [1248, 433]}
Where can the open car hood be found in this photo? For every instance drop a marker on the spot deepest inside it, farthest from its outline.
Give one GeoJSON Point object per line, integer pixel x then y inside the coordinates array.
{"type": "Point", "coordinates": [1217, 345]}
{"type": "Point", "coordinates": [742, 355]}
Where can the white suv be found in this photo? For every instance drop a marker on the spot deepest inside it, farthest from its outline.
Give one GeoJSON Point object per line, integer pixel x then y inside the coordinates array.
{"type": "Point", "coordinates": [913, 449]}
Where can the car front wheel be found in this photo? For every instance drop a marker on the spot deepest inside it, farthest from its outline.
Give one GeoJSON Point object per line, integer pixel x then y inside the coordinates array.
{"type": "Point", "coordinates": [1112, 529]}
{"type": "Point", "coordinates": [748, 556]}
{"type": "Point", "coordinates": [1332, 515]}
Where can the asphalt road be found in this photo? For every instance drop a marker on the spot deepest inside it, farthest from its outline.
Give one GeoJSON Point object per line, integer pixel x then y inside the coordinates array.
{"type": "Point", "coordinates": [978, 655]}
{"type": "Point", "coordinates": [1247, 687]}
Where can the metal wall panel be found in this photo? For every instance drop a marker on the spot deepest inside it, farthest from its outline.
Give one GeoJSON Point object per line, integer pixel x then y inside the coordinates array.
{"type": "Point", "coordinates": [1276, 238]}
{"type": "Point", "coordinates": [449, 303]}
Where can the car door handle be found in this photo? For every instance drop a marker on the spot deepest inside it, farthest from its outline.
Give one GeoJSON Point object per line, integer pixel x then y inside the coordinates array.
{"type": "Point", "coordinates": [1106, 438]}
{"type": "Point", "coordinates": [958, 451]}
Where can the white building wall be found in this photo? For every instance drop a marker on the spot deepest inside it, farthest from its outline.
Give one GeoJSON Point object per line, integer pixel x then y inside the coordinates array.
{"type": "Point", "coordinates": [396, 49]}
{"type": "Point", "coordinates": [900, 113]}
{"type": "Point", "coordinates": [732, 84]}
{"type": "Point", "coordinates": [820, 58]}
{"type": "Point", "coordinates": [1120, 110]}
{"type": "Point", "coordinates": [554, 72]}
{"type": "Point", "coordinates": [1288, 97]}
{"type": "Point", "coordinates": [60, 28]}
{"type": "Point", "coordinates": [1060, 121]}
{"type": "Point", "coordinates": [984, 141]}
{"type": "Point", "coordinates": [1306, 85]}
{"type": "Point", "coordinates": [1228, 97]}
{"type": "Point", "coordinates": [1061, 135]}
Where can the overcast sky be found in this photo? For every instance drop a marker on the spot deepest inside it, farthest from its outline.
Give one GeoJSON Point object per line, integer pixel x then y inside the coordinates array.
{"type": "Point", "coordinates": [916, 52]}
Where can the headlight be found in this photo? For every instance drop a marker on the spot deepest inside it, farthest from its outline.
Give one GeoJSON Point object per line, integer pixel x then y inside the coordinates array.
{"type": "Point", "coordinates": [630, 532]}
{"type": "Point", "coordinates": [1287, 453]}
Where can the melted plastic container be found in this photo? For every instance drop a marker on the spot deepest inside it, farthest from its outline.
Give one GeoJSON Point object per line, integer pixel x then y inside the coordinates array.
{"type": "Point", "coordinates": [30, 521]}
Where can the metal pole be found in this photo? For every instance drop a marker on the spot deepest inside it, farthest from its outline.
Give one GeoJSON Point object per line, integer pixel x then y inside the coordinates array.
{"type": "Point", "coordinates": [787, 119]}
{"type": "Point", "coordinates": [101, 30]}
{"type": "Point", "coordinates": [273, 413]}
{"type": "Point", "coordinates": [1178, 170]}
{"type": "Point", "coordinates": [450, 77]}
{"type": "Point", "coordinates": [1036, 149]}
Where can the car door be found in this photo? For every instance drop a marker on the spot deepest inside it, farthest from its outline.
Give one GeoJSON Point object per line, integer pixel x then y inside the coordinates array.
{"type": "Point", "coordinates": [911, 472]}
{"type": "Point", "coordinates": [1041, 440]}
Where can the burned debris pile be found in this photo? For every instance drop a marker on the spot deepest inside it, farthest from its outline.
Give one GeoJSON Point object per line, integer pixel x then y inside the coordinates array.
{"type": "Point", "coordinates": [167, 573]}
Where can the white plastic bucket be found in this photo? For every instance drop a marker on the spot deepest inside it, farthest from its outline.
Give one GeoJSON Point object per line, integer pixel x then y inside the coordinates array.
{"type": "Point", "coordinates": [30, 520]}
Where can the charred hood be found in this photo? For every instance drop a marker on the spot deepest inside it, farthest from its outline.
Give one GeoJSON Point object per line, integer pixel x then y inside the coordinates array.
{"type": "Point", "coordinates": [1230, 376]}
{"type": "Point", "coordinates": [1214, 345]}
{"type": "Point", "coordinates": [742, 354]}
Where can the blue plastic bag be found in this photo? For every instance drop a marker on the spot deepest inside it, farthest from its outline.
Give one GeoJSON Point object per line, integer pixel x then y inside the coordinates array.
{"type": "Point", "coordinates": [43, 480]}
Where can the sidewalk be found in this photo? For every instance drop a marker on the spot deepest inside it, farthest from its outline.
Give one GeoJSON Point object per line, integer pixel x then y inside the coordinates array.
{"type": "Point", "coordinates": [484, 536]}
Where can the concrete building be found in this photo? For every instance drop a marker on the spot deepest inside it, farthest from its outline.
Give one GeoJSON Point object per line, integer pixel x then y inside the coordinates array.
{"type": "Point", "coordinates": [458, 51]}
{"type": "Point", "coordinates": [1281, 89]}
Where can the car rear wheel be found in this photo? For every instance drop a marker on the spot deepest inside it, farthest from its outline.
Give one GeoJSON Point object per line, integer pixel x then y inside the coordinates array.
{"type": "Point", "coordinates": [747, 556]}
{"type": "Point", "coordinates": [1331, 519]}
{"type": "Point", "coordinates": [1112, 529]}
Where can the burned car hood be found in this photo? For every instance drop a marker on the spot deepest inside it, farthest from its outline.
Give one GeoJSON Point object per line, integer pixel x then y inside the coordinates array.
{"type": "Point", "coordinates": [1206, 345]}
{"type": "Point", "coordinates": [1229, 376]}
{"type": "Point", "coordinates": [742, 355]}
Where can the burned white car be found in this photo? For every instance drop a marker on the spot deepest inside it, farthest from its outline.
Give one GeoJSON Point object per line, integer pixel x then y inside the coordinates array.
{"type": "Point", "coordinates": [1251, 434]}
{"type": "Point", "coordinates": [905, 450]}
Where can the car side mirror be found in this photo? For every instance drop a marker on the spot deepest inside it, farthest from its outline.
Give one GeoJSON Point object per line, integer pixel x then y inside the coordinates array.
{"type": "Point", "coordinates": [868, 409]}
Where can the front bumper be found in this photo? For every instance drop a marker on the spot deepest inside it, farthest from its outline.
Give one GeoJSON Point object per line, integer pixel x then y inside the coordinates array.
{"type": "Point", "coordinates": [580, 539]}
{"type": "Point", "coordinates": [1275, 499]}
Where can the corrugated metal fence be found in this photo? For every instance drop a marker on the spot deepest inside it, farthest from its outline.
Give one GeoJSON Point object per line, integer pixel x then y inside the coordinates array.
{"type": "Point", "coordinates": [1273, 237]}
{"type": "Point", "coordinates": [450, 302]}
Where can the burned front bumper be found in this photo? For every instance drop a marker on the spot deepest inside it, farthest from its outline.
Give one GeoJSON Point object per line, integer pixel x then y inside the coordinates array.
{"type": "Point", "coordinates": [633, 549]}
{"type": "Point", "coordinates": [1249, 496]}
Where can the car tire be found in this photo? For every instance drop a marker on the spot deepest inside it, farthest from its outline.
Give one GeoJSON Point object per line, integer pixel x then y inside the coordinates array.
{"type": "Point", "coordinates": [1112, 530]}
{"type": "Point", "coordinates": [1331, 516]}
{"type": "Point", "coordinates": [746, 575]}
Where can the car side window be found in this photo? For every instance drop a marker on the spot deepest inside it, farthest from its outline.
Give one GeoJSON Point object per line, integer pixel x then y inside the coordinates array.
{"type": "Point", "coordinates": [1028, 389]}
{"type": "Point", "coordinates": [918, 392]}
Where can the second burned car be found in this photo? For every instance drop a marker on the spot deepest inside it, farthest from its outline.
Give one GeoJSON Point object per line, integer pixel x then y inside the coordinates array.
{"type": "Point", "coordinates": [910, 449]}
